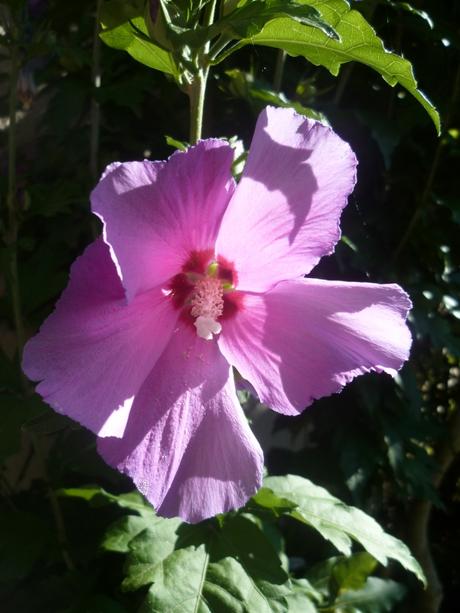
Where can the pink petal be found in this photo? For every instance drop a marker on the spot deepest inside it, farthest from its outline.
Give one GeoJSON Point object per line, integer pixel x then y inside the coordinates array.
{"type": "Point", "coordinates": [187, 445]}
{"type": "Point", "coordinates": [284, 215]}
{"type": "Point", "coordinates": [94, 352]}
{"type": "Point", "coordinates": [307, 338]}
{"type": "Point", "coordinates": [156, 213]}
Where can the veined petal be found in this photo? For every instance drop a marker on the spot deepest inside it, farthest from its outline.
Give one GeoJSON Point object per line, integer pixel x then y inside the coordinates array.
{"type": "Point", "coordinates": [156, 213]}
{"type": "Point", "coordinates": [307, 338]}
{"type": "Point", "coordinates": [95, 351]}
{"type": "Point", "coordinates": [187, 445]}
{"type": "Point", "coordinates": [284, 215]}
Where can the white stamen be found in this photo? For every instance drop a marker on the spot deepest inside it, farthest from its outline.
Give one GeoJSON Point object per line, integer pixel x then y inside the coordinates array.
{"type": "Point", "coordinates": [207, 306]}
{"type": "Point", "coordinates": [206, 327]}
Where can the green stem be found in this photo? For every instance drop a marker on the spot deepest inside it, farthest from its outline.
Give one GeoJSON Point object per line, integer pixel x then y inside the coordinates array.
{"type": "Point", "coordinates": [279, 70]}
{"type": "Point", "coordinates": [197, 88]}
{"type": "Point", "coordinates": [219, 46]}
{"type": "Point", "coordinates": [12, 232]}
{"type": "Point", "coordinates": [197, 92]}
{"type": "Point", "coordinates": [214, 60]}
{"type": "Point", "coordinates": [209, 13]}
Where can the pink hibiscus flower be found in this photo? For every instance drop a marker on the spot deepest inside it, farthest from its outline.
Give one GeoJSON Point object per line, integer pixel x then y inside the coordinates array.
{"type": "Point", "coordinates": [196, 275]}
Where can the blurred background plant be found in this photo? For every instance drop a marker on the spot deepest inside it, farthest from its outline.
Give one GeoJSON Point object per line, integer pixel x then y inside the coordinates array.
{"type": "Point", "coordinates": [69, 105]}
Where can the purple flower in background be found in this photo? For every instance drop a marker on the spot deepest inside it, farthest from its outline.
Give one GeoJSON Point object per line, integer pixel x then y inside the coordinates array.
{"type": "Point", "coordinates": [194, 275]}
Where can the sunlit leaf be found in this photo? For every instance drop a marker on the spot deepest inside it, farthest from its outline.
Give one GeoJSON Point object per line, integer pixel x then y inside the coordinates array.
{"type": "Point", "coordinates": [250, 17]}
{"type": "Point", "coordinates": [358, 42]}
{"type": "Point", "coordinates": [178, 583]}
{"type": "Point", "coordinates": [340, 523]}
{"type": "Point", "coordinates": [227, 567]}
{"type": "Point", "coordinates": [123, 27]}
{"type": "Point", "coordinates": [147, 550]}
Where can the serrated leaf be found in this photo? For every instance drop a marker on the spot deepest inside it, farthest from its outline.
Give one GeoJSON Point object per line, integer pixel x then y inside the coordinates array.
{"type": "Point", "coordinates": [377, 596]}
{"type": "Point", "coordinates": [358, 42]}
{"type": "Point", "coordinates": [227, 567]}
{"type": "Point", "coordinates": [147, 550]}
{"type": "Point", "coordinates": [178, 583]}
{"type": "Point", "coordinates": [340, 523]}
{"type": "Point", "coordinates": [250, 17]}
{"type": "Point", "coordinates": [229, 587]}
{"type": "Point", "coordinates": [265, 498]}
{"type": "Point", "coordinates": [121, 532]}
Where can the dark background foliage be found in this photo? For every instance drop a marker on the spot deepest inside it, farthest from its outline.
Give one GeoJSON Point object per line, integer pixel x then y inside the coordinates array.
{"type": "Point", "coordinates": [389, 447]}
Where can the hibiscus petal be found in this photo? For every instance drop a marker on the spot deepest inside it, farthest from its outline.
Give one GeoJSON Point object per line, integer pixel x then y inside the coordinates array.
{"type": "Point", "coordinates": [187, 445]}
{"type": "Point", "coordinates": [307, 338]}
{"type": "Point", "coordinates": [94, 352]}
{"type": "Point", "coordinates": [284, 215]}
{"type": "Point", "coordinates": [156, 213]}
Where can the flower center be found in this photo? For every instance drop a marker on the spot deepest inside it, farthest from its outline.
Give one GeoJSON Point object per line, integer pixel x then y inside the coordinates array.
{"type": "Point", "coordinates": [207, 302]}
{"type": "Point", "coordinates": [205, 292]}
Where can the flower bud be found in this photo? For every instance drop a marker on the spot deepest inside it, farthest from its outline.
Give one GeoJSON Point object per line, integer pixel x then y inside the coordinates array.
{"type": "Point", "coordinates": [157, 24]}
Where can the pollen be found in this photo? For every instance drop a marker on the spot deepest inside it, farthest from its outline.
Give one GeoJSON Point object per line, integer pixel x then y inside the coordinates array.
{"type": "Point", "coordinates": [207, 302]}
{"type": "Point", "coordinates": [205, 292]}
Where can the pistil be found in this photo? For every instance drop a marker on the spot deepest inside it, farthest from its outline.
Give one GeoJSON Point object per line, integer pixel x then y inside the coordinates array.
{"type": "Point", "coordinates": [207, 302]}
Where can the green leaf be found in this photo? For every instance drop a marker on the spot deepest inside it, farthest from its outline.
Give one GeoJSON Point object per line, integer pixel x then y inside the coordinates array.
{"type": "Point", "coordinates": [123, 27]}
{"type": "Point", "coordinates": [302, 597]}
{"type": "Point", "coordinates": [377, 596]}
{"type": "Point", "coordinates": [98, 497]}
{"type": "Point", "coordinates": [121, 532]}
{"type": "Point", "coordinates": [277, 505]}
{"type": "Point", "coordinates": [339, 523]}
{"type": "Point", "coordinates": [178, 584]}
{"type": "Point", "coordinates": [176, 144]}
{"type": "Point", "coordinates": [147, 550]}
{"type": "Point", "coordinates": [351, 573]}
{"type": "Point", "coordinates": [250, 17]}
{"type": "Point", "coordinates": [358, 42]}
{"type": "Point", "coordinates": [231, 566]}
